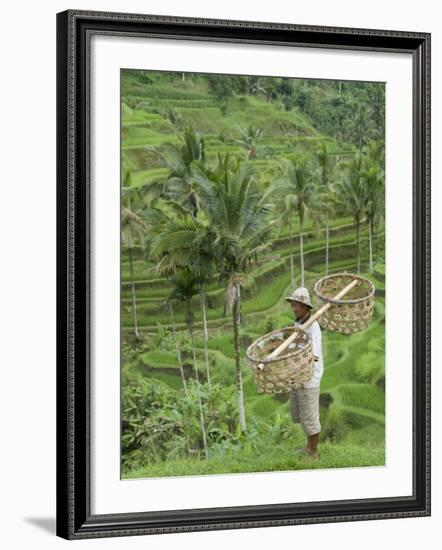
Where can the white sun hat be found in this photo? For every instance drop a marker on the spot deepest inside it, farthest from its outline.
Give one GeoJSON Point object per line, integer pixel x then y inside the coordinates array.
{"type": "Point", "coordinates": [302, 295]}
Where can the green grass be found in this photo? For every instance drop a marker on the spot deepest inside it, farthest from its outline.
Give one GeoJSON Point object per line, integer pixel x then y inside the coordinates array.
{"type": "Point", "coordinates": [280, 458]}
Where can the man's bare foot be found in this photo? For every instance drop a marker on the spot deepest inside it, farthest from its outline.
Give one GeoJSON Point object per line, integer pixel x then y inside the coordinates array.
{"type": "Point", "coordinates": [300, 450]}
{"type": "Point", "coordinates": [311, 456]}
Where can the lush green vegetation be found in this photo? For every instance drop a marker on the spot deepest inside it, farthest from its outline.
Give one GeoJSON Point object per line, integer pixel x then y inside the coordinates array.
{"type": "Point", "coordinates": [236, 190]}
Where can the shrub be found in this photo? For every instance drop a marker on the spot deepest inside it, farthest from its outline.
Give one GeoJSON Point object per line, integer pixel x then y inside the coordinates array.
{"type": "Point", "coordinates": [160, 423]}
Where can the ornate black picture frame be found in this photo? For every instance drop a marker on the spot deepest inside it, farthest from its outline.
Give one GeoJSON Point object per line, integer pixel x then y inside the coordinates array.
{"type": "Point", "coordinates": [74, 518]}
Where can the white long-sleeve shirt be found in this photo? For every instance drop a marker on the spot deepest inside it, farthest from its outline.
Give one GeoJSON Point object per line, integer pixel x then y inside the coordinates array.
{"type": "Point", "coordinates": [315, 334]}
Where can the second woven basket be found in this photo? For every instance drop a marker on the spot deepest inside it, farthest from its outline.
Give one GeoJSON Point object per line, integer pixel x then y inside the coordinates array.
{"type": "Point", "coordinates": [350, 314]}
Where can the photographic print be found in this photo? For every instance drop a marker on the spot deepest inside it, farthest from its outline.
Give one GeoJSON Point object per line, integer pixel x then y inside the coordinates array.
{"type": "Point", "coordinates": [252, 265]}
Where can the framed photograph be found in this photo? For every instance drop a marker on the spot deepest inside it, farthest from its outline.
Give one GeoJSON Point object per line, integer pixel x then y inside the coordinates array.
{"type": "Point", "coordinates": [243, 274]}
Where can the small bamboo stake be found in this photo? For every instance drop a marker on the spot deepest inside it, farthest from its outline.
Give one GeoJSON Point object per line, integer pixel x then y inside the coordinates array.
{"type": "Point", "coordinates": [312, 319]}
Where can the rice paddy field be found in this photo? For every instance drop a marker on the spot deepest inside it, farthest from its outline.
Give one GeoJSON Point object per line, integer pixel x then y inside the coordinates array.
{"type": "Point", "coordinates": [159, 427]}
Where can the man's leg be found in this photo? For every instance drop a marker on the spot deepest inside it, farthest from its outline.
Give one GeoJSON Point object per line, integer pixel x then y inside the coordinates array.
{"type": "Point", "coordinates": [294, 405]}
{"type": "Point", "coordinates": [312, 443]}
{"type": "Point", "coordinates": [295, 395]}
{"type": "Point", "coordinates": [310, 419]}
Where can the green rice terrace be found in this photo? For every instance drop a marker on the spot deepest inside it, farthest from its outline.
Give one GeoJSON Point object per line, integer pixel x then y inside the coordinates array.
{"type": "Point", "coordinates": [201, 279]}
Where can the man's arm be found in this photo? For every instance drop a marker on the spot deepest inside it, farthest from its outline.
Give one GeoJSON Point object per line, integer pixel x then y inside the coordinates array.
{"type": "Point", "coordinates": [316, 340]}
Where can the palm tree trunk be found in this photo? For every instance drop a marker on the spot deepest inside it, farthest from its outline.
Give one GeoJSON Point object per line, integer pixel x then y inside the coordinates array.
{"type": "Point", "coordinates": [292, 268]}
{"type": "Point", "coordinates": [376, 239]}
{"type": "Point", "coordinates": [178, 350]}
{"type": "Point", "coordinates": [370, 247]}
{"type": "Point", "coordinates": [134, 303]}
{"type": "Point", "coordinates": [206, 336]}
{"type": "Point", "coordinates": [301, 247]}
{"type": "Point", "coordinates": [239, 384]}
{"type": "Point", "coordinates": [357, 245]}
{"type": "Point", "coordinates": [377, 234]}
{"type": "Point", "coordinates": [195, 368]}
{"type": "Point", "coordinates": [327, 241]}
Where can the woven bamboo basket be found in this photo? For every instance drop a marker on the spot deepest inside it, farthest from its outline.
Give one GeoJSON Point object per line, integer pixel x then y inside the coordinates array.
{"type": "Point", "coordinates": [284, 372]}
{"type": "Point", "coordinates": [350, 314]}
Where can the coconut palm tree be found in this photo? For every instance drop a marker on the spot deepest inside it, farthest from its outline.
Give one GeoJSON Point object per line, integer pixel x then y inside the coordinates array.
{"type": "Point", "coordinates": [327, 172]}
{"type": "Point", "coordinates": [182, 240]}
{"type": "Point", "coordinates": [201, 265]}
{"type": "Point", "coordinates": [177, 347]}
{"type": "Point", "coordinates": [376, 92]}
{"type": "Point", "coordinates": [361, 127]}
{"type": "Point", "coordinates": [184, 288]}
{"type": "Point", "coordinates": [374, 181]}
{"type": "Point", "coordinates": [289, 211]}
{"type": "Point", "coordinates": [133, 230]}
{"type": "Point", "coordinates": [297, 178]}
{"type": "Point", "coordinates": [169, 244]}
{"type": "Point", "coordinates": [165, 265]}
{"type": "Point", "coordinates": [179, 160]}
{"type": "Point", "coordinates": [375, 151]}
{"type": "Point", "coordinates": [354, 194]}
{"type": "Point", "coordinates": [249, 140]}
{"type": "Point", "coordinates": [181, 189]}
{"type": "Point", "coordinates": [238, 212]}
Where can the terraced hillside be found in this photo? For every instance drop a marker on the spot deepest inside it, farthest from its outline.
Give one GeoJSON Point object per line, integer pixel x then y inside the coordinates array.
{"type": "Point", "coordinates": [352, 388]}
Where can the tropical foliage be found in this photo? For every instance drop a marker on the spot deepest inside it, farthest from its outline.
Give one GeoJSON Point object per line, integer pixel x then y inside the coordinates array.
{"type": "Point", "coordinates": [234, 191]}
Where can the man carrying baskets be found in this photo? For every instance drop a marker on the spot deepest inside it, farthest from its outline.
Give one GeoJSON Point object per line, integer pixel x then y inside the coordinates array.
{"type": "Point", "coordinates": [304, 400]}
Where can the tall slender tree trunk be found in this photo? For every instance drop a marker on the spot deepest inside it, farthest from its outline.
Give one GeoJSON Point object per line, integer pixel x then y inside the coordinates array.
{"type": "Point", "coordinates": [206, 336]}
{"type": "Point", "coordinates": [376, 239]}
{"type": "Point", "coordinates": [378, 234]}
{"type": "Point", "coordinates": [178, 350]}
{"type": "Point", "coordinates": [301, 247]}
{"type": "Point", "coordinates": [370, 247]}
{"type": "Point", "coordinates": [358, 245]}
{"type": "Point", "coordinates": [239, 384]}
{"type": "Point", "coordinates": [195, 368]}
{"type": "Point", "coordinates": [134, 302]}
{"type": "Point", "coordinates": [327, 240]}
{"type": "Point", "coordinates": [292, 267]}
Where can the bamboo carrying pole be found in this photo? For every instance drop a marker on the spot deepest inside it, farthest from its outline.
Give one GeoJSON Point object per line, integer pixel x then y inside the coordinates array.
{"type": "Point", "coordinates": [305, 326]}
